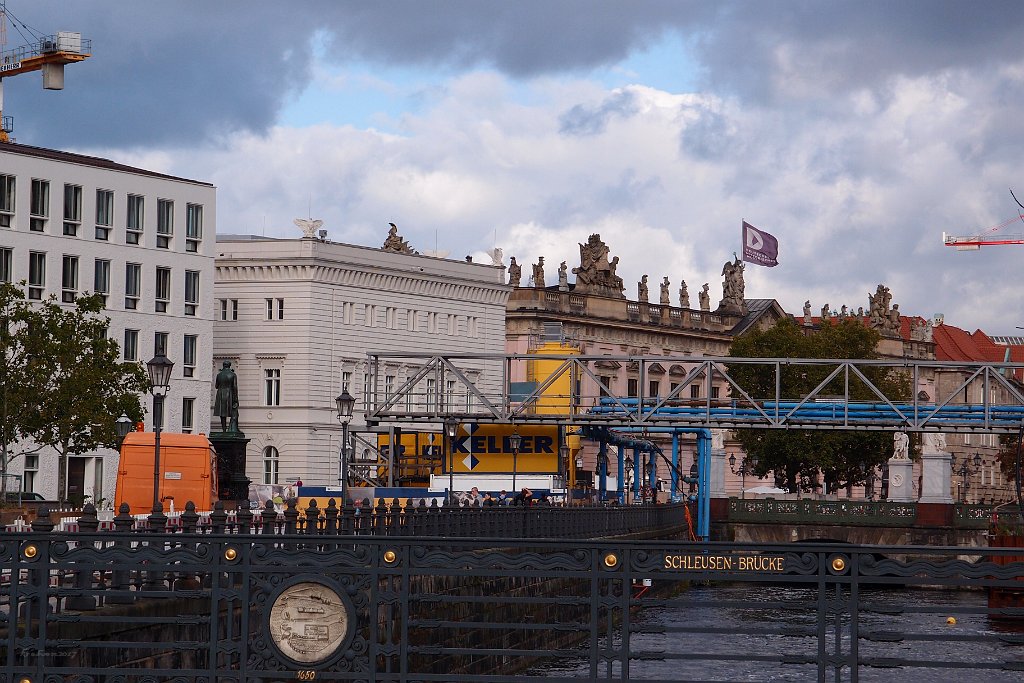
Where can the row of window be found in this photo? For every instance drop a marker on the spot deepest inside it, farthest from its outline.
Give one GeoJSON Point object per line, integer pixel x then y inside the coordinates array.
{"type": "Point", "coordinates": [70, 281]}
{"type": "Point", "coordinates": [373, 316]}
{"type": "Point", "coordinates": [189, 349]}
{"type": "Point", "coordinates": [39, 213]}
{"type": "Point", "coordinates": [653, 388]}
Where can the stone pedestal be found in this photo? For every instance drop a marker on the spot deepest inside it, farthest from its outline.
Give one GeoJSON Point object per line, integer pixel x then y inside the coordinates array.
{"type": "Point", "coordinates": [231, 480]}
{"type": "Point", "coordinates": [901, 480]}
{"type": "Point", "coordinates": [935, 478]}
{"type": "Point", "coordinates": [717, 481]}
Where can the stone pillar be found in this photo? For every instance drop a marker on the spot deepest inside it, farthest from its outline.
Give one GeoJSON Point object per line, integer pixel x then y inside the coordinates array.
{"type": "Point", "coordinates": [232, 484]}
{"type": "Point", "coordinates": [935, 472]}
{"type": "Point", "coordinates": [901, 480]}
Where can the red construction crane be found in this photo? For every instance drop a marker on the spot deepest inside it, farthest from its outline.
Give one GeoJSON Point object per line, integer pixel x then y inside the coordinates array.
{"type": "Point", "coordinates": [987, 238]}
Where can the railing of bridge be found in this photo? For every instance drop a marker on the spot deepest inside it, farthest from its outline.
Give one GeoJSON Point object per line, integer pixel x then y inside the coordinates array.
{"type": "Point", "coordinates": [205, 605]}
{"type": "Point", "coordinates": [848, 512]}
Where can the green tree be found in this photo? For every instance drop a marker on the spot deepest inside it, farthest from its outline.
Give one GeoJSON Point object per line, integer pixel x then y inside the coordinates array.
{"type": "Point", "coordinates": [64, 384]}
{"type": "Point", "coordinates": [799, 457]}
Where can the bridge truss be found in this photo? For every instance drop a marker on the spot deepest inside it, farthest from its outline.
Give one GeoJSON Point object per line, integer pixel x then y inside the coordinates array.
{"type": "Point", "coordinates": [696, 392]}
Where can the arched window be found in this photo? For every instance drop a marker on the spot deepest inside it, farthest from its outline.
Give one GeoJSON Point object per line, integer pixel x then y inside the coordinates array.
{"type": "Point", "coordinates": [271, 465]}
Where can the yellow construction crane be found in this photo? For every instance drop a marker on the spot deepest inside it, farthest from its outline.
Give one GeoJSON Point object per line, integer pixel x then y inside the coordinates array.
{"type": "Point", "coordinates": [47, 54]}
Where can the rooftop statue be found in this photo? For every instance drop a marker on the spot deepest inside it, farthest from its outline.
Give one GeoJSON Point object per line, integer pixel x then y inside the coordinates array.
{"type": "Point", "coordinates": [733, 287]}
{"type": "Point", "coordinates": [641, 290]}
{"type": "Point", "coordinates": [395, 243]}
{"type": "Point", "coordinates": [515, 272]}
{"type": "Point", "coordinates": [881, 317]}
{"type": "Point", "coordinates": [308, 226]}
{"type": "Point", "coordinates": [225, 403]}
{"type": "Point", "coordinates": [666, 298]}
{"type": "Point", "coordinates": [684, 296]}
{"type": "Point", "coordinates": [705, 298]}
{"type": "Point", "coordinates": [563, 278]}
{"type": "Point", "coordinates": [538, 273]}
{"type": "Point", "coordinates": [596, 274]}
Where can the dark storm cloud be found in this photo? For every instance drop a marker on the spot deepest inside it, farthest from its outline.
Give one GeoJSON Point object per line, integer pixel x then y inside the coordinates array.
{"type": "Point", "coordinates": [185, 72]}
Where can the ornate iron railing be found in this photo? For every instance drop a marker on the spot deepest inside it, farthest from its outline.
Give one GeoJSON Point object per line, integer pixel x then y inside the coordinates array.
{"type": "Point", "coordinates": [848, 512]}
{"type": "Point", "coordinates": [260, 605]}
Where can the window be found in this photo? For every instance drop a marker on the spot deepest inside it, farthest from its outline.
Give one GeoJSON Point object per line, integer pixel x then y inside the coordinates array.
{"type": "Point", "coordinates": [164, 223]}
{"type": "Point", "coordinates": [132, 285]}
{"type": "Point", "coordinates": [131, 345]}
{"type": "Point", "coordinates": [224, 309]}
{"type": "Point", "coordinates": [432, 322]}
{"type": "Point", "coordinates": [714, 392]}
{"type": "Point", "coordinates": [606, 381]}
{"type": "Point", "coordinates": [188, 409]}
{"type": "Point", "coordinates": [101, 279]}
{"type": "Point", "coordinates": [36, 274]}
{"type": "Point", "coordinates": [694, 391]}
{"type": "Point", "coordinates": [193, 226]}
{"type": "Point", "coordinates": [69, 279]}
{"type": "Point", "coordinates": [160, 343]}
{"type": "Point", "coordinates": [389, 386]}
{"type": "Point", "coordinates": [453, 323]}
{"type": "Point", "coordinates": [346, 381]}
{"type": "Point", "coordinates": [347, 312]}
{"type": "Point", "coordinates": [134, 218]}
{"type": "Point", "coordinates": [655, 388]}
{"type": "Point", "coordinates": [28, 483]}
{"type": "Point", "coordinates": [370, 319]}
{"type": "Point", "coordinates": [234, 309]}
{"type": "Point", "coordinates": [412, 320]}
{"type": "Point", "coordinates": [72, 209]}
{"type": "Point", "coordinates": [104, 214]}
{"type": "Point", "coordinates": [163, 288]}
{"type": "Point", "coordinates": [366, 389]}
{"type": "Point", "coordinates": [389, 317]}
{"type": "Point", "coordinates": [271, 465]}
{"type": "Point", "coordinates": [431, 391]}
{"type": "Point", "coordinates": [39, 205]}
{"type": "Point", "coordinates": [272, 386]}
{"type": "Point", "coordinates": [191, 291]}
{"type": "Point", "coordinates": [6, 264]}
{"type": "Point", "coordinates": [6, 200]}
{"type": "Point", "coordinates": [449, 394]}
{"type": "Point", "coordinates": [188, 355]}
{"type": "Point", "coordinates": [270, 309]}
{"type": "Point", "coordinates": [632, 387]}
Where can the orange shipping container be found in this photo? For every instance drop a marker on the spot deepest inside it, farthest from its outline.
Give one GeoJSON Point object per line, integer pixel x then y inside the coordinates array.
{"type": "Point", "coordinates": [188, 471]}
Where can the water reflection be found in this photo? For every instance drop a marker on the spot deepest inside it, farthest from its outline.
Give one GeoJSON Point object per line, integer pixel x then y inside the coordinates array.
{"type": "Point", "coordinates": [732, 633]}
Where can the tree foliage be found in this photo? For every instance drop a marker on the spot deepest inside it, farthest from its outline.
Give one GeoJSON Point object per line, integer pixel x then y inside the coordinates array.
{"type": "Point", "coordinates": [62, 384]}
{"type": "Point", "coordinates": [798, 458]}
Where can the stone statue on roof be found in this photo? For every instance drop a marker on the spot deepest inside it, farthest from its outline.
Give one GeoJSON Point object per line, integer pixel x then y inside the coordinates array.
{"type": "Point", "coordinates": [641, 290]}
{"type": "Point", "coordinates": [395, 243]}
{"type": "Point", "coordinates": [705, 298]}
{"type": "Point", "coordinates": [596, 274]}
{"type": "Point", "coordinates": [538, 273]}
{"type": "Point", "coordinates": [666, 298]}
{"type": "Point", "coordinates": [733, 287]}
{"type": "Point", "coordinates": [515, 272]}
{"type": "Point", "coordinates": [563, 278]}
{"type": "Point", "coordinates": [684, 296]}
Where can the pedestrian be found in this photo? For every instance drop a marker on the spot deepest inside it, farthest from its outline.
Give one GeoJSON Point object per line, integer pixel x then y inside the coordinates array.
{"type": "Point", "coordinates": [503, 498]}
{"type": "Point", "coordinates": [524, 497]}
{"type": "Point", "coordinates": [488, 500]}
{"type": "Point", "coordinates": [475, 498]}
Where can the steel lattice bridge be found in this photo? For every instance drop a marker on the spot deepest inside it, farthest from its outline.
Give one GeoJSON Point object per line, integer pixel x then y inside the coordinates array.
{"type": "Point", "coordinates": [697, 392]}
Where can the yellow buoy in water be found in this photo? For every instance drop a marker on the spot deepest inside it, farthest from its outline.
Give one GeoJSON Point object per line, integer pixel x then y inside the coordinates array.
{"type": "Point", "coordinates": [950, 620]}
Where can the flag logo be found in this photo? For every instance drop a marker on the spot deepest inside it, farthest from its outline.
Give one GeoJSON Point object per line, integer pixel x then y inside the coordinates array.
{"type": "Point", "coordinates": [759, 246]}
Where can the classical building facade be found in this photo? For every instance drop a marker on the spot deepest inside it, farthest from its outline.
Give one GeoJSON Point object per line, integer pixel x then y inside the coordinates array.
{"type": "Point", "coordinates": [296, 317]}
{"type": "Point", "coordinates": [594, 316]}
{"type": "Point", "coordinates": [72, 224]}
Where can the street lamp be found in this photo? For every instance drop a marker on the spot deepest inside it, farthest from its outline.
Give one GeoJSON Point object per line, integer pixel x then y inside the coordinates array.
{"type": "Point", "coordinates": [122, 426]}
{"type": "Point", "coordinates": [451, 429]}
{"type": "Point", "coordinates": [159, 369]}
{"type": "Point", "coordinates": [514, 442]}
{"type": "Point", "coordinates": [628, 476]}
{"type": "Point", "coordinates": [346, 403]}
{"type": "Point", "coordinates": [563, 454]}
{"type": "Point", "coordinates": [744, 469]}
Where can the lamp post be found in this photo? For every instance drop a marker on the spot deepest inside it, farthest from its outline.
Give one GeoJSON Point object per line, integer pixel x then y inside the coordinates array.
{"type": "Point", "coordinates": [563, 454]}
{"type": "Point", "coordinates": [514, 442]}
{"type": "Point", "coordinates": [122, 426]}
{"type": "Point", "coordinates": [744, 469]}
{"type": "Point", "coordinates": [159, 370]}
{"type": "Point", "coordinates": [628, 477]}
{"type": "Point", "coordinates": [345, 403]}
{"type": "Point", "coordinates": [451, 429]}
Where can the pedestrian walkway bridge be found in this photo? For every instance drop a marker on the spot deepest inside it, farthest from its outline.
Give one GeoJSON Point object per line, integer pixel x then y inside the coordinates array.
{"type": "Point", "coordinates": [698, 392]}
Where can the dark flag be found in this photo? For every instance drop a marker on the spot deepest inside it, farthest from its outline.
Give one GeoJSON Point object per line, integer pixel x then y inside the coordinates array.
{"type": "Point", "coordinates": [759, 247]}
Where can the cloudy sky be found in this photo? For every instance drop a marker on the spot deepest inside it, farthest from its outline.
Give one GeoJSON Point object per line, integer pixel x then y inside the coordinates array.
{"type": "Point", "coordinates": [855, 132]}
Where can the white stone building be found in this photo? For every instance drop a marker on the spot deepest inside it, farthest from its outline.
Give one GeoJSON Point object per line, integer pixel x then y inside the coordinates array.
{"type": "Point", "coordinates": [297, 317]}
{"type": "Point", "coordinates": [72, 224]}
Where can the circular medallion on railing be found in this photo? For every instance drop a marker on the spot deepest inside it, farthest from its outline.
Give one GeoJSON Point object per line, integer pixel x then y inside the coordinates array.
{"type": "Point", "coordinates": [611, 560]}
{"type": "Point", "coordinates": [390, 556]}
{"type": "Point", "coordinates": [838, 564]}
{"type": "Point", "coordinates": [230, 554]}
{"type": "Point", "coordinates": [310, 621]}
{"type": "Point", "coordinates": [30, 551]}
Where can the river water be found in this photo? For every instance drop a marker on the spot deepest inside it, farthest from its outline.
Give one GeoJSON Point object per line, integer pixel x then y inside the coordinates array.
{"type": "Point", "coordinates": [730, 632]}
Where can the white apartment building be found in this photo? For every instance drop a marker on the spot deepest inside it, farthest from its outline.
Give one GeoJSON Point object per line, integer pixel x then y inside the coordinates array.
{"type": "Point", "coordinates": [296, 317]}
{"type": "Point", "coordinates": [72, 224]}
